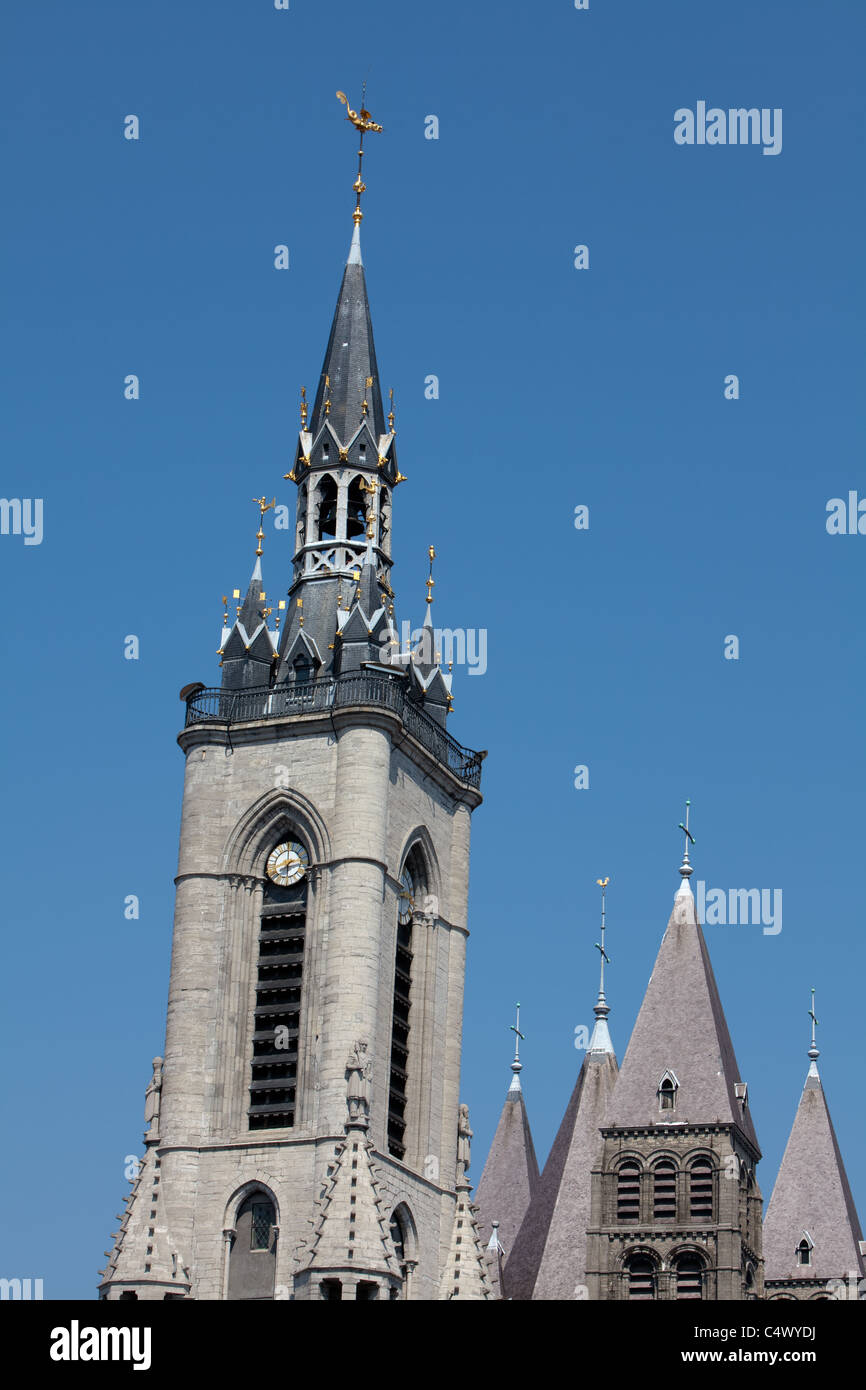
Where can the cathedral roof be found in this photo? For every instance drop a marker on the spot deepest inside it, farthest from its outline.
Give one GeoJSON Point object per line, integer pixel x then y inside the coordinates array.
{"type": "Point", "coordinates": [510, 1174]}
{"type": "Point", "coordinates": [548, 1257]}
{"type": "Point", "coordinates": [812, 1199]}
{"type": "Point", "coordinates": [681, 1029]}
{"type": "Point", "coordinates": [350, 360]}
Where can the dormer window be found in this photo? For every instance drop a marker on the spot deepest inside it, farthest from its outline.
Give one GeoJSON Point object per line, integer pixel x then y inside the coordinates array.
{"type": "Point", "coordinates": [303, 670]}
{"type": "Point", "coordinates": [667, 1092]}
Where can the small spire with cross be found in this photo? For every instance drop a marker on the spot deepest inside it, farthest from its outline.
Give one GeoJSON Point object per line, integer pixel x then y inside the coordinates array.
{"type": "Point", "coordinates": [686, 868]}
{"type": "Point", "coordinates": [516, 1065]}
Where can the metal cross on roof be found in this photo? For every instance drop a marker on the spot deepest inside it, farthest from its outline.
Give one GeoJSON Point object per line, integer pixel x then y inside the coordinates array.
{"type": "Point", "coordinates": [813, 1050]}
{"type": "Point", "coordinates": [599, 945]}
{"type": "Point", "coordinates": [519, 1037]}
{"type": "Point", "coordinates": [685, 867]}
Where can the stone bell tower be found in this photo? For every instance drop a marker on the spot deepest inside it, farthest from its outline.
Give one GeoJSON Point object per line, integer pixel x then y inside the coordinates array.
{"type": "Point", "coordinates": [302, 1138]}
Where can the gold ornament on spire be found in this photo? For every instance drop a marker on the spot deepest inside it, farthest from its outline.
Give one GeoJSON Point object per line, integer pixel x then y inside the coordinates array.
{"type": "Point", "coordinates": [303, 407]}
{"type": "Point", "coordinates": [391, 411]}
{"type": "Point", "coordinates": [430, 581]}
{"type": "Point", "coordinates": [263, 506]}
{"type": "Point", "coordinates": [362, 121]}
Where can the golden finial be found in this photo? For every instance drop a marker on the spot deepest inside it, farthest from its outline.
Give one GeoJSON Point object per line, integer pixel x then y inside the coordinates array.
{"type": "Point", "coordinates": [430, 581]}
{"type": "Point", "coordinates": [356, 575]}
{"type": "Point", "coordinates": [301, 612]}
{"type": "Point", "coordinates": [371, 488]}
{"type": "Point", "coordinates": [281, 607]}
{"type": "Point", "coordinates": [303, 407]}
{"type": "Point", "coordinates": [368, 382]}
{"type": "Point", "coordinates": [328, 396]}
{"type": "Point", "coordinates": [362, 121]}
{"type": "Point", "coordinates": [264, 506]}
{"type": "Point", "coordinates": [391, 411]}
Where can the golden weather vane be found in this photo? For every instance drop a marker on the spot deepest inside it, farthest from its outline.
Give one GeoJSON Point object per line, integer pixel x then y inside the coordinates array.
{"type": "Point", "coordinates": [362, 121]}
{"type": "Point", "coordinates": [264, 506]}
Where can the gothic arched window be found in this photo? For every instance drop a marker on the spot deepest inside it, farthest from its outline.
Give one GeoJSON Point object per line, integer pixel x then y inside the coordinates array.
{"type": "Point", "coordinates": [641, 1278]}
{"type": "Point", "coordinates": [412, 884]}
{"type": "Point", "coordinates": [690, 1276]}
{"type": "Point", "coordinates": [804, 1252]}
{"type": "Point", "coordinates": [665, 1191]}
{"type": "Point", "coordinates": [326, 516]}
{"type": "Point", "coordinates": [356, 510]}
{"type": "Point", "coordinates": [282, 930]}
{"type": "Point", "coordinates": [252, 1258]}
{"type": "Point", "coordinates": [701, 1190]}
{"type": "Point", "coordinates": [667, 1092]}
{"type": "Point", "coordinates": [628, 1192]}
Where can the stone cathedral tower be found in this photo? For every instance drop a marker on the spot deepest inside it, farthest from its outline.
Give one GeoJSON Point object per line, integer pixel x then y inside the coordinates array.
{"type": "Point", "coordinates": [303, 1127]}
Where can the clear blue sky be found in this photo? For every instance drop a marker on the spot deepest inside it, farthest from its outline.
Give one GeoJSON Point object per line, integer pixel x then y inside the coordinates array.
{"type": "Point", "coordinates": [558, 387]}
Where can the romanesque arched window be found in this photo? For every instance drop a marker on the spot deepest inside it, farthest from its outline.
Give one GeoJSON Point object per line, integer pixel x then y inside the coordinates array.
{"type": "Point", "coordinates": [628, 1191]}
{"type": "Point", "coordinates": [282, 931]}
{"type": "Point", "coordinates": [690, 1275]}
{"type": "Point", "coordinates": [640, 1271]}
{"type": "Point", "coordinates": [665, 1191]}
{"type": "Point", "coordinates": [701, 1190]}
{"type": "Point", "coordinates": [252, 1257]}
{"type": "Point", "coordinates": [413, 884]}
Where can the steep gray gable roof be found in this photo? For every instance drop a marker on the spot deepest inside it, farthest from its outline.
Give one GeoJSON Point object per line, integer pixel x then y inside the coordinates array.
{"type": "Point", "coordinates": [812, 1194]}
{"type": "Point", "coordinates": [510, 1174]}
{"type": "Point", "coordinates": [681, 1028]}
{"type": "Point", "coordinates": [548, 1258]}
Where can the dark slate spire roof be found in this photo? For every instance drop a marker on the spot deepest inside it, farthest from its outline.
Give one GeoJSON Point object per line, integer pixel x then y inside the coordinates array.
{"type": "Point", "coordinates": [350, 359]}
{"type": "Point", "coordinates": [548, 1257]}
{"type": "Point", "coordinates": [812, 1198]}
{"type": "Point", "coordinates": [681, 1028]}
{"type": "Point", "coordinates": [510, 1174]}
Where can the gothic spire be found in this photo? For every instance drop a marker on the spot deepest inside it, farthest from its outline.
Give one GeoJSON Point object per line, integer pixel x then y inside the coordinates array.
{"type": "Point", "coordinates": [349, 391]}
{"type": "Point", "coordinates": [681, 1033]}
{"type": "Point", "coordinates": [811, 1230]}
{"type": "Point", "coordinates": [510, 1174]}
{"type": "Point", "coordinates": [548, 1258]}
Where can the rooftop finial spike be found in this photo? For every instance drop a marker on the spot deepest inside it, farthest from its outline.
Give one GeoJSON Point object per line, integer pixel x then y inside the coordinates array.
{"type": "Point", "coordinates": [362, 121]}
{"type": "Point", "coordinates": [430, 581]}
{"type": "Point", "coordinates": [517, 1065]}
{"type": "Point", "coordinates": [600, 1040]}
{"type": "Point", "coordinates": [264, 506]}
{"type": "Point", "coordinates": [685, 867]}
{"type": "Point", "coordinates": [599, 946]}
{"type": "Point", "coordinates": [814, 1054]}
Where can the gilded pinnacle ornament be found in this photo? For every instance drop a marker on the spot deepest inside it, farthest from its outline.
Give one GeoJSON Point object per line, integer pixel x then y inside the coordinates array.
{"type": "Point", "coordinates": [362, 121]}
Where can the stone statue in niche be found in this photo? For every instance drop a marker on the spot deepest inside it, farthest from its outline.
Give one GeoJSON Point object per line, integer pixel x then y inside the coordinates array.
{"type": "Point", "coordinates": [359, 1069]}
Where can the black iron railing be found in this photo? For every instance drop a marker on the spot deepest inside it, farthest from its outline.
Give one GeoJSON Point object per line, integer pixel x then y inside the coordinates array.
{"type": "Point", "coordinates": [361, 688]}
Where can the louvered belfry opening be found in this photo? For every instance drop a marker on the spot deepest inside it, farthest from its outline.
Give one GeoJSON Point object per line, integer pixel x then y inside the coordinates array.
{"type": "Point", "coordinates": [664, 1191]}
{"type": "Point", "coordinates": [701, 1190]}
{"type": "Point", "coordinates": [273, 1089]}
{"type": "Point", "coordinates": [412, 885]}
{"type": "Point", "coordinates": [628, 1192]}
{"type": "Point", "coordinates": [690, 1276]}
{"type": "Point", "coordinates": [641, 1278]}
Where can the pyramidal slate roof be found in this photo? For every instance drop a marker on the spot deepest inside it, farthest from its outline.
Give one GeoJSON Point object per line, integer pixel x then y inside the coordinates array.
{"type": "Point", "coordinates": [681, 1028]}
{"type": "Point", "coordinates": [350, 359]}
{"type": "Point", "coordinates": [812, 1199]}
{"type": "Point", "coordinates": [510, 1174]}
{"type": "Point", "coordinates": [548, 1257]}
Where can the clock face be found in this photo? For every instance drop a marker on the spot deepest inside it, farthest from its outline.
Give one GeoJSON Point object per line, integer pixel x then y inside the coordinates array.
{"type": "Point", "coordinates": [287, 864]}
{"type": "Point", "coordinates": [407, 898]}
